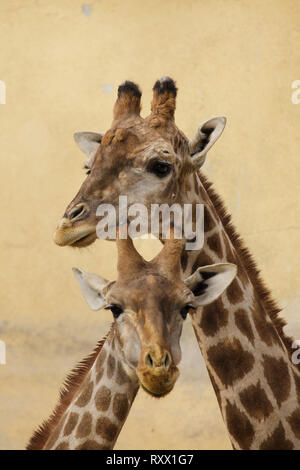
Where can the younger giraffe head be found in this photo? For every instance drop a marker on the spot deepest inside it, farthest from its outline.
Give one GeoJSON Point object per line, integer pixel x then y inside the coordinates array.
{"type": "Point", "coordinates": [147, 160]}
{"type": "Point", "coordinates": [149, 302]}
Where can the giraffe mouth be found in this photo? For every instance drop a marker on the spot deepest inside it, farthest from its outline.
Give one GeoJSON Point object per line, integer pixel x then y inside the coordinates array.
{"type": "Point", "coordinates": [158, 385]}
{"type": "Point", "coordinates": [68, 235]}
{"type": "Point", "coordinates": [156, 394]}
{"type": "Point", "coordinates": [86, 240]}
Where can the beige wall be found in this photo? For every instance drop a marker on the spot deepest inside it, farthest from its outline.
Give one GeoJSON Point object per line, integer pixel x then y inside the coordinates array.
{"type": "Point", "coordinates": [236, 58]}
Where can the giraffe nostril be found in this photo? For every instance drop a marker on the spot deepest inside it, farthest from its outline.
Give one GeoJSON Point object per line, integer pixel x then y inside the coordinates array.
{"type": "Point", "coordinates": [76, 212]}
{"type": "Point", "coordinates": [167, 361]}
{"type": "Point", "coordinates": [149, 361]}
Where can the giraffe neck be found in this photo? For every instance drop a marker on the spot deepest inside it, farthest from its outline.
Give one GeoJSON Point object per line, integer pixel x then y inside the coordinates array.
{"type": "Point", "coordinates": [100, 404]}
{"type": "Point", "coordinates": [246, 352]}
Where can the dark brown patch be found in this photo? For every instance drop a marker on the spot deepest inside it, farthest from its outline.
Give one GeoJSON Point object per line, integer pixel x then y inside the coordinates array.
{"type": "Point", "coordinates": [256, 402]}
{"type": "Point", "coordinates": [214, 317]}
{"type": "Point", "coordinates": [215, 244]}
{"type": "Point", "coordinates": [184, 260]}
{"type": "Point", "coordinates": [120, 406]}
{"type": "Point", "coordinates": [103, 398]}
{"type": "Point", "coordinates": [294, 421]}
{"type": "Point", "coordinates": [243, 323]}
{"type": "Point", "coordinates": [297, 385]}
{"type": "Point", "coordinates": [106, 429]}
{"type": "Point", "coordinates": [85, 396]}
{"type": "Point", "coordinates": [92, 445]}
{"type": "Point", "coordinates": [121, 377]}
{"type": "Point", "coordinates": [239, 426]}
{"type": "Point", "coordinates": [209, 222]}
{"type": "Point", "coordinates": [265, 329]}
{"type": "Point", "coordinates": [202, 260]}
{"type": "Point", "coordinates": [230, 361]}
{"type": "Point", "coordinates": [234, 292]}
{"type": "Point", "coordinates": [111, 363]}
{"type": "Point", "coordinates": [277, 374]}
{"type": "Point", "coordinates": [85, 425]}
{"type": "Point", "coordinates": [62, 446]}
{"type": "Point", "coordinates": [277, 441]}
{"type": "Point", "coordinates": [71, 423]}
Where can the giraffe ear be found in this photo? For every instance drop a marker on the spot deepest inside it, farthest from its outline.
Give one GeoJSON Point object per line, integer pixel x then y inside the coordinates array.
{"type": "Point", "coordinates": [92, 286]}
{"type": "Point", "coordinates": [207, 134]}
{"type": "Point", "coordinates": [208, 282]}
{"type": "Point", "coordinates": [88, 142]}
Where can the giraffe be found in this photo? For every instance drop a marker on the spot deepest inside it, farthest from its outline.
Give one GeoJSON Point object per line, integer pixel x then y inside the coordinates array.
{"type": "Point", "coordinates": [149, 302]}
{"type": "Point", "coordinates": [241, 336]}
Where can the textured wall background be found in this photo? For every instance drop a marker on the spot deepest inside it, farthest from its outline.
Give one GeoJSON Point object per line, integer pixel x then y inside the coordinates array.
{"type": "Point", "coordinates": [62, 62]}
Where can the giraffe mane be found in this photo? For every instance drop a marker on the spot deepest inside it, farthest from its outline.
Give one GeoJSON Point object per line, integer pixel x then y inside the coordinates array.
{"type": "Point", "coordinates": [72, 383]}
{"type": "Point", "coordinates": [264, 293]}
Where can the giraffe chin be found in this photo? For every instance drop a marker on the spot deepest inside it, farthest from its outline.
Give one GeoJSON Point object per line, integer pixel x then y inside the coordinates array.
{"type": "Point", "coordinates": [158, 385]}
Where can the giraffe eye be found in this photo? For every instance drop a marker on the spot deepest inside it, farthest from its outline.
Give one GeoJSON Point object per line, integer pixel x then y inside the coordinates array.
{"type": "Point", "coordinates": [159, 168]}
{"type": "Point", "coordinates": [115, 309]}
{"type": "Point", "coordinates": [185, 310]}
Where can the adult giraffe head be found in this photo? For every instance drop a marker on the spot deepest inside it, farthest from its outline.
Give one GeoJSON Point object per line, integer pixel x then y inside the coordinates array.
{"type": "Point", "coordinates": [148, 160]}
{"type": "Point", "coordinates": [149, 302]}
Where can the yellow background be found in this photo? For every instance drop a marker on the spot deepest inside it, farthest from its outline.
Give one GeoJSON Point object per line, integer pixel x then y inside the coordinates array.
{"type": "Point", "coordinates": [62, 67]}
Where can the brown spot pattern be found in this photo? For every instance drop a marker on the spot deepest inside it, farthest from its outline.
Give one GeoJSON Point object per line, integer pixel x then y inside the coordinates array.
{"type": "Point", "coordinates": [71, 423]}
{"type": "Point", "coordinates": [265, 329]}
{"type": "Point", "coordinates": [243, 323]}
{"type": "Point", "coordinates": [297, 384]}
{"type": "Point", "coordinates": [62, 446]}
{"type": "Point", "coordinates": [213, 317]}
{"type": "Point", "coordinates": [103, 398]}
{"type": "Point", "coordinates": [85, 425]}
{"type": "Point", "coordinates": [277, 375]}
{"type": "Point", "coordinates": [215, 244]}
{"type": "Point", "coordinates": [91, 445]}
{"type": "Point", "coordinates": [234, 292]}
{"type": "Point", "coordinates": [230, 361]}
{"type": "Point", "coordinates": [111, 363]}
{"type": "Point", "coordinates": [294, 422]}
{"type": "Point", "coordinates": [85, 396]}
{"type": "Point", "coordinates": [277, 441]}
{"type": "Point", "coordinates": [202, 260]}
{"type": "Point", "coordinates": [106, 429]}
{"type": "Point", "coordinates": [208, 220]}
{"type": "Point", "coordinates": [256, 402]}
{"type": "Point", "coordinates": [120, 406]}
{"type": "Point", "coordinates": [239, 426]}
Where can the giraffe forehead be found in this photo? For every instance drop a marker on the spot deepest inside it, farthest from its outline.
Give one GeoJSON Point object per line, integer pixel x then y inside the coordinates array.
{"type": "Point", "coordinates": [149, 291]}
